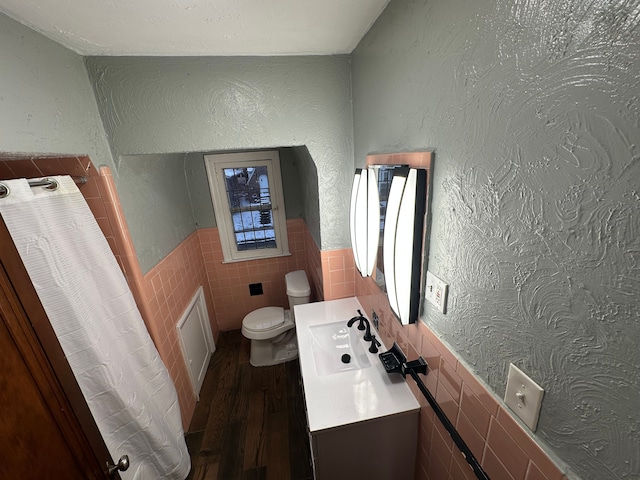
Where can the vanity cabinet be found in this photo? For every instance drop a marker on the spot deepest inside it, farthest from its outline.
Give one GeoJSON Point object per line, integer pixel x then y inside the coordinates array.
{"type": "Point", "coordinates": [363, 422]}
{"type": "Point", "coordinates": [377, 449]}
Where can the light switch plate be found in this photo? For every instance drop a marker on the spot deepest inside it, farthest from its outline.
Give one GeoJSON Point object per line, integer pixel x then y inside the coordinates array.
{"type": "Point", "coordinates": [436, 292]}
{"type": "Point", "coordinates": [523, 396]}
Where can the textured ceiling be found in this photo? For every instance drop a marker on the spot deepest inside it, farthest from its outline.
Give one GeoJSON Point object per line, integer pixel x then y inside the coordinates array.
{"type": "Point", "coordinates": [199, 27]}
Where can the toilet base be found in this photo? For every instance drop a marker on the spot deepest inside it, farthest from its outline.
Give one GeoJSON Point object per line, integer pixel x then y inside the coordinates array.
{"type": "Point", "coordinates": [267, 352]}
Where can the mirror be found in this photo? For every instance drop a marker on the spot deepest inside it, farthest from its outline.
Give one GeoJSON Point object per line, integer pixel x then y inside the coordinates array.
{"type": "Point", "coordinates": [384, 175]}
{"type": "Point", "coordinates": [385, 165]}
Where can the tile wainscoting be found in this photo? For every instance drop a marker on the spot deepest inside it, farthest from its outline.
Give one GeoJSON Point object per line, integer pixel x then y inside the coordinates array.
{"type": "Point", "coordinates": [503, 448]}
{"type": "Point", "coordinates": [229, 282]}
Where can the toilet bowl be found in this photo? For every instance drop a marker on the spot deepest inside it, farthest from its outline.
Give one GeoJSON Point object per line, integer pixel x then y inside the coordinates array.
{"type": "Point", "coordinates": [272, 329]}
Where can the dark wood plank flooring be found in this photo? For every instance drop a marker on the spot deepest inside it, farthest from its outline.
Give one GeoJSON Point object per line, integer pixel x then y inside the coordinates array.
{"type": "Point", "coordinates": [250, 423]}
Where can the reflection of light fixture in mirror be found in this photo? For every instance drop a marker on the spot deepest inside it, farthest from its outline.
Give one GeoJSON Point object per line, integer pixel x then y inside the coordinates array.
{"type": "Point", "coordinates": [364, 220]}
{"type": "Point", "coordinates": [403, 233]}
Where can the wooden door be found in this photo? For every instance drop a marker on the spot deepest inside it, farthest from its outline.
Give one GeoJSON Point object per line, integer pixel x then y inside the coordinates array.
{"type": "Point", "coordinates": [46, 428]}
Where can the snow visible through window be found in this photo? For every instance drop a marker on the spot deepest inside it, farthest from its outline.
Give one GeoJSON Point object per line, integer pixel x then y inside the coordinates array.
{"type": "Point", "coordinates": [250, 207]}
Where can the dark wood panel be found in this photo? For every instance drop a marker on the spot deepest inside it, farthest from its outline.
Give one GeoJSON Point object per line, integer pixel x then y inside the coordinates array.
{"type": "Point", "coordinates": [232, 451]}
{"type": "Point", "coordinates": [39, 436]}
{"type": "Point", "coordinates": [31, 443]}
{"type": "Point", "coordinates": [208, 471]}
{"type": "Point", "coordinates": [256, 430]}
{"type": "Point", "coordinates": [240, 394]}
{"type": "Point", "coordinates": [255, 474]}
{"type": "Point", "coordinates": [31, 330]}
{"type": "Point", "coordinates": [217, 421]}
{"type": "Point", "coordinates": [299, 455]}
{"type": "Point", "coordinates": [278, 446]}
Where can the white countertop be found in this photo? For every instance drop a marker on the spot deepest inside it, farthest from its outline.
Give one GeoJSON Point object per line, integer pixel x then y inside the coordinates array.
{"type": "Point", "coordinates": [346, 397]}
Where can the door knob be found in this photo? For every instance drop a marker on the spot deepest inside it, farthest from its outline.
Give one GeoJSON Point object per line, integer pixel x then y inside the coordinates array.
{"type": "Point", "coordinates": [122, 465]}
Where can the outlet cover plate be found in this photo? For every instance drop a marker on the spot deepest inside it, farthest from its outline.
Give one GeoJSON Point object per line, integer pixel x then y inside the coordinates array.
{"type": "Point", "coordinates": [375, 320]}
{"type": "Point", "coordinates": [523, 396]}
{"type": "Point", "coordinates": [436, 292]}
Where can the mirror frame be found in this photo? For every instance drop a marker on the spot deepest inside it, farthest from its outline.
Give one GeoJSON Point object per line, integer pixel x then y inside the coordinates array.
{"type": "Point", "coordinates": [422, 160]}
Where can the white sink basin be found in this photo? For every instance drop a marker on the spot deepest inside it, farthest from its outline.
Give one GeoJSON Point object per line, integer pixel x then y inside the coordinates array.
{"type": "Point", "coordinates": [336, 397]}
{"type": "Point", "coordinates": [331, 341]}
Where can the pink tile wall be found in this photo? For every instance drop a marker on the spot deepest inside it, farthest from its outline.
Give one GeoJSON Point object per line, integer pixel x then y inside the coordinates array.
{"type": "Point", "coordinates": [229, 282]}
{"type": "Point", "coordinates": [314, 266]}
{"type": "Point", "coordinates": [338, 273]}
{"type": "Point", "coordinates": [98, 191]}
{"type": "Point", "coordinates": [168, 289]}
{"type": "Point", "coordinates": [504, 448]}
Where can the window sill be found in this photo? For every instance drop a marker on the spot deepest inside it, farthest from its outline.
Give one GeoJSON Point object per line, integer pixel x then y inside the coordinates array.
{"type": "Point", "coordinates": [261, 257]}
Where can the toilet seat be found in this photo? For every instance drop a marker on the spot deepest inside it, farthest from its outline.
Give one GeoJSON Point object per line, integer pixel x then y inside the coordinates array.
{"type": "Point", "coordinates": [266, 323]}
{"type": "Point", "coordinates": [264, 318]}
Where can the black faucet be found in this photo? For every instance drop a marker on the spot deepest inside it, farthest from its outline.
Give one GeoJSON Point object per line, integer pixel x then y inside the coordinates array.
{"type": "Point", "coordinates": [360, 318]}
{"type": "Point", "coordinates": [365, 325]}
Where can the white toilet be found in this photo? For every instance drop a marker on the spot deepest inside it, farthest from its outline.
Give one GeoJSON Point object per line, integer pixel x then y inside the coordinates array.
{"type": "Point", "coordinates": [271, 329]}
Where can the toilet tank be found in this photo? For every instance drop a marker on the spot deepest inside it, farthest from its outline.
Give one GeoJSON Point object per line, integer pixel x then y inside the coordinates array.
{"type": "Point", "coordinates": [298, 289]}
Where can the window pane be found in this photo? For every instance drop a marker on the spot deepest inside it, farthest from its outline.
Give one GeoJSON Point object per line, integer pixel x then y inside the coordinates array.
{"type": "Point", "coordinates": [251, 210]}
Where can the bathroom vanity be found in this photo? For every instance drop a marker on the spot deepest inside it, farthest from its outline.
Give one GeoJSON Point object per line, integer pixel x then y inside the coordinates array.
{"type": "Point", "coordinates": [363, 422]}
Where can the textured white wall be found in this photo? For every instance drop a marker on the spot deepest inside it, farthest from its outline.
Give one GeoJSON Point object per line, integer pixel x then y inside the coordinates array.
{"type": "Point", "coordinates": [156, 201]}
{"type": "Point", "coordinates": [167, 105]}
{"type": "Point", "coordinates": [533, 111]}
{"type": "Point", "coordinates": [46, 101]}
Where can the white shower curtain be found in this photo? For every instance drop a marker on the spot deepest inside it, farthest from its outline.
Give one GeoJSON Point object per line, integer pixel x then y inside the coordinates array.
{"type": "Point", "coordinates": [97, 322]}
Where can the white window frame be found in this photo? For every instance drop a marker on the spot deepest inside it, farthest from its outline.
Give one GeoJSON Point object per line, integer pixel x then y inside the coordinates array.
{"type": "Point", "coordinates": [215, 164]}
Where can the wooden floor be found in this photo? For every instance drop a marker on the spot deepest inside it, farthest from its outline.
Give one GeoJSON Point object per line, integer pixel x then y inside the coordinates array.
{"type": "Point", "coordinates": [250, 422]}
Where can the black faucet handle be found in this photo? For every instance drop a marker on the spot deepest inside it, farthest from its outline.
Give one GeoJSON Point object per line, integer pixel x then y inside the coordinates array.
{"type": "Point", "coordinates": [367, 333]}
{"type": "Point", "coordinates": [374, 344]}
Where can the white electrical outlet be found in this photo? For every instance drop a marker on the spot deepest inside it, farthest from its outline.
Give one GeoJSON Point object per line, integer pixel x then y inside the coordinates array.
{"type": "Point", "coordinates": [523, 396]}
{"type": "Point", "coordinates": [436, 291]}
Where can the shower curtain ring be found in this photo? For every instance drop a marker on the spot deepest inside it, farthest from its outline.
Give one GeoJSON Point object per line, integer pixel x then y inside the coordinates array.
{"type": "Point", "coordinates": [52, 185]}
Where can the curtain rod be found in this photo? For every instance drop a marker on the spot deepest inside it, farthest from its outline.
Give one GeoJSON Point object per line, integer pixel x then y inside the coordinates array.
{"type": "Point", "coordinates": [451, 430]}
{"type": "Point", "coordinates": [394, 361]}
{"type": "Point", "coordinates": [46, 183]}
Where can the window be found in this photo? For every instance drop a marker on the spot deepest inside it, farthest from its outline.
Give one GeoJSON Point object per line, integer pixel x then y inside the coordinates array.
{"type": "Point", "coordinates": [246, 189]}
